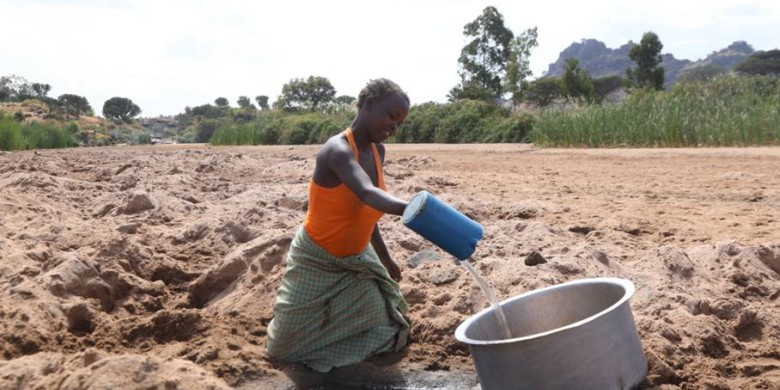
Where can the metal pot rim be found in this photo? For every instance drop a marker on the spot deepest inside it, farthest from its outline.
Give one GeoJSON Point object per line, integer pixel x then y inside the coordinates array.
{"type": "Point", "coordinates": [627, 285]}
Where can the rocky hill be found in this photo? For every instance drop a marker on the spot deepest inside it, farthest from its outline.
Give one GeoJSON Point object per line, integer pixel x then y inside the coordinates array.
{"type": "Point", "coordinates": [601, 61]}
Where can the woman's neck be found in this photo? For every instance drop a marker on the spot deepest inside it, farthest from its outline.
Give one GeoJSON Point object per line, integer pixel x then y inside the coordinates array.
{"type": "Point", "coordinates": [361, 135]}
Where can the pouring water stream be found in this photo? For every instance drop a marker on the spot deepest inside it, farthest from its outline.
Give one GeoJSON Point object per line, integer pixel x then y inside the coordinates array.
{"type": "Point", "coordinates": [454, 232]}
{"type": "Point", "coordinates": [491, 298]}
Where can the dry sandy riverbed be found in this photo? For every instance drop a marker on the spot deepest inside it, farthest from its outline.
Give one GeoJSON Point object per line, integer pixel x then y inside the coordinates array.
{"type": "Point", "coordinates": [156, 267]}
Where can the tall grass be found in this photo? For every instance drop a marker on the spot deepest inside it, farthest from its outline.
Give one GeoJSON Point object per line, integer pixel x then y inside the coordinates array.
{"type": "Point", "coordinates": [465, 121]}
{"type": "Point", "coordinates": [10, 133]}
{"type": "Point", "coordinates": [728, 111]}
{"type": "Point", "coordinates": [277, 127]}
{"type": "Point", "coordinates": [32, 135]}
{"type": "Point", "coordinates": [462, 121]}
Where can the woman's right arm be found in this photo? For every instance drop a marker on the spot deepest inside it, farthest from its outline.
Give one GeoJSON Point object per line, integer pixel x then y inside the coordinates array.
{"type": "Point", "coordinates": [340, 158]}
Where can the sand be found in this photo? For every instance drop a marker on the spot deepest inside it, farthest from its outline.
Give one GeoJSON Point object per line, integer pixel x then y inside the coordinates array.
{"type": "Point", "coordinates": [157, 267]}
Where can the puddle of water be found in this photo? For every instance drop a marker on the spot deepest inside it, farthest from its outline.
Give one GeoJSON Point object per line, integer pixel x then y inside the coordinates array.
{"type": "Point", "coordinates": [366, 376]}
{"type": "Point", "coordinates": [491, 298]}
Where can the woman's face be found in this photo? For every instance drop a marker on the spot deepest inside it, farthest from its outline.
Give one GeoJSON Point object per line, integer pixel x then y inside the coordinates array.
{"type": "Point", "coordinates": [385, 115]}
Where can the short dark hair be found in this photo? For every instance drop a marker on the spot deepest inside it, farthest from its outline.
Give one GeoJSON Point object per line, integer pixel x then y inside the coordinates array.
{"type": "Point", "coordinates": [378, 89]}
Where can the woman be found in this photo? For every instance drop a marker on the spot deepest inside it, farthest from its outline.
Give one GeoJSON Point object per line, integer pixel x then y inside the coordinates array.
{"type": "Point", "coordinates": [339, 301]}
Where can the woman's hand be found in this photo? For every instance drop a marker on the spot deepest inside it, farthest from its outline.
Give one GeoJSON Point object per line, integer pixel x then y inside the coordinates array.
{"type": "Point", "coordinates": [392, 269]}
{"type": "Point", "coordinates": [384, 256]}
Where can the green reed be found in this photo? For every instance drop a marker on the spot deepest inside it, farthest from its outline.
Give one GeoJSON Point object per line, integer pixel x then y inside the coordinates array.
{"type": "Point", "coordinates": [728, 111]}
{"type": "Point", "coordinates": [276, 127]}
{"type": "Point", "coordinates": [32, 135]}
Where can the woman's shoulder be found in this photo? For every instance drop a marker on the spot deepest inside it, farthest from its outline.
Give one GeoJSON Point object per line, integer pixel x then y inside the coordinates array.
{"type": "Point", "coordinates": [336, 142]}
{"type": "Point", "coordinates": [335, 146]}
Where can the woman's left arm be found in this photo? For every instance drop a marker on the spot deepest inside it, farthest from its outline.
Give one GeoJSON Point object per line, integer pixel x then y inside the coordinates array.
{"type": "Point", "coordinates": [384, 256]}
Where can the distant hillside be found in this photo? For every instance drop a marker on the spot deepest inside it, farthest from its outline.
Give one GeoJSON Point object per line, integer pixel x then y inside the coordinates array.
{"type": "Point", "coordinates": [601, 61]}
{"type": "Point", "coordinates": [36, 110]}
{"type": "Point", "coordinates": [88, 130]}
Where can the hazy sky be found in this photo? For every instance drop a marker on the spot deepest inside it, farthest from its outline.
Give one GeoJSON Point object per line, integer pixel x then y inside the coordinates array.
{"type": "Point", "coordinates": [168, 54]}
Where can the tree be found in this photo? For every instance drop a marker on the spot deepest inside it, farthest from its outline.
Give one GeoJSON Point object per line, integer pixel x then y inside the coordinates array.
{"type": "Point", "coordinates": [483, 60]}
{"type": "Point", "coordinates": [74, 105]}
{"type": "Point", "coordinates": [221, 102]}
{"type": "Point", "coordinates": [185, 119]}
{"type": "Point", "coordinates": [205, 111]}
{"type": "Point", "coordinates": [518, 67]}
{"type": "Point", "coordinates": [576, 84]}
{"type": "Point", "coordinates": [345, 100]}
{"type": "Point", "coordinates": [5, 90]}
{"type": "Point", "coordinates": [262, 102]}
{"type": "Point", "coordinates": [41, 90]}
{"type": "Point", "coordinates": [339, 103]}
{"type": "Point", "coordinates": [470, 89]}
{"type": "Point", "coordinates": [761, 63]}
{"type": "Point", "coordinates": [544, 91]}
{"type": "Point", "coordinates": [14, 88]}
{"type": "Point", "coordinates": [308, 94]}
{"type": "Point", "coordinates": [604, 86]}
{"type": "Point", "coordinates": [119, 109]}
{"type": "Point", "coordinates": [244, 102]}
{"type": "Point", "coordinates": [649, 72]}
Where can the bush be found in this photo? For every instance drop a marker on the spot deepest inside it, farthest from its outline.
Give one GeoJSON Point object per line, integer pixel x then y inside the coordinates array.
{"type": "Point", "coordinates": [73, 128]}
{"type": "Point", "coordinates": [761, 63]}
{"type": "Point", "coordinates": [206, 129]}
{"type": "Point", "coordinates": [10, 134]}
{"type": "Point", "coordinates": [39, 136]}
{"type": "Point", "coordinates": [272, 127]}
{"type": "Point", "coordinates": [514, 129]}
{"type": "Point", "coordinates": [602, 87]}
{"type": "Point", "coordinates": [33, 135]}
{"type": "Point", "coordinates": [144, 139]}
{"type": "Point", "coordinates": [420, 125]}
{"type": "Point", "coordinates": [462, 121]}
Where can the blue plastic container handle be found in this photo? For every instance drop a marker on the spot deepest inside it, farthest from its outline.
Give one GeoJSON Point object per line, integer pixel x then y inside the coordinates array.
{"type": "Point", "coordinates": [441, 224]}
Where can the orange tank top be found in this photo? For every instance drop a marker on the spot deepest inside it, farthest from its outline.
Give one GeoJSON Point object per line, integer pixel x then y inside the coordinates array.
{"type": "Point", "coordinates": [337, 220]}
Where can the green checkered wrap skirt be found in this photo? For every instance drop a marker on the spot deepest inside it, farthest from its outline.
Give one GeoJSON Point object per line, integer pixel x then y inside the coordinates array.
{"type": "Point", "coordinates": [335, 311]}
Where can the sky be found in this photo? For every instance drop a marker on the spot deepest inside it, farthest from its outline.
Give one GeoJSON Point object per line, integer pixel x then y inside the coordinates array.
{"type": "Point", "coordinates": [166, 55]}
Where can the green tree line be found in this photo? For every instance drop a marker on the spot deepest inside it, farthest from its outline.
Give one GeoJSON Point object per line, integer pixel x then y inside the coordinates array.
{"type": "Point", "coordinates": [495, 101]}
{"type": "Point", "coordinates": [14, 88]}
{"type": "Point", "coordinates": [572, 110]}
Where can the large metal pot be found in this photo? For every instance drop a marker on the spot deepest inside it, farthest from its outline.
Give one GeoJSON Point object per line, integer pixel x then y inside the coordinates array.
{"type": "Point", "coordinates": [576, 335]}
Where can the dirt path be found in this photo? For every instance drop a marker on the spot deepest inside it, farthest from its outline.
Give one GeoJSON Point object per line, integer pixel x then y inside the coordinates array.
{"type": "Point", "coordinates": [166, 259]}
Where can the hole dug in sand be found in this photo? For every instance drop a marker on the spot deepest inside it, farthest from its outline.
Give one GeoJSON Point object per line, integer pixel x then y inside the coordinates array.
{"type": "Point", "coordinates": [80, 318]}
{"type": "Point", "coordinates": [750, 327]}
